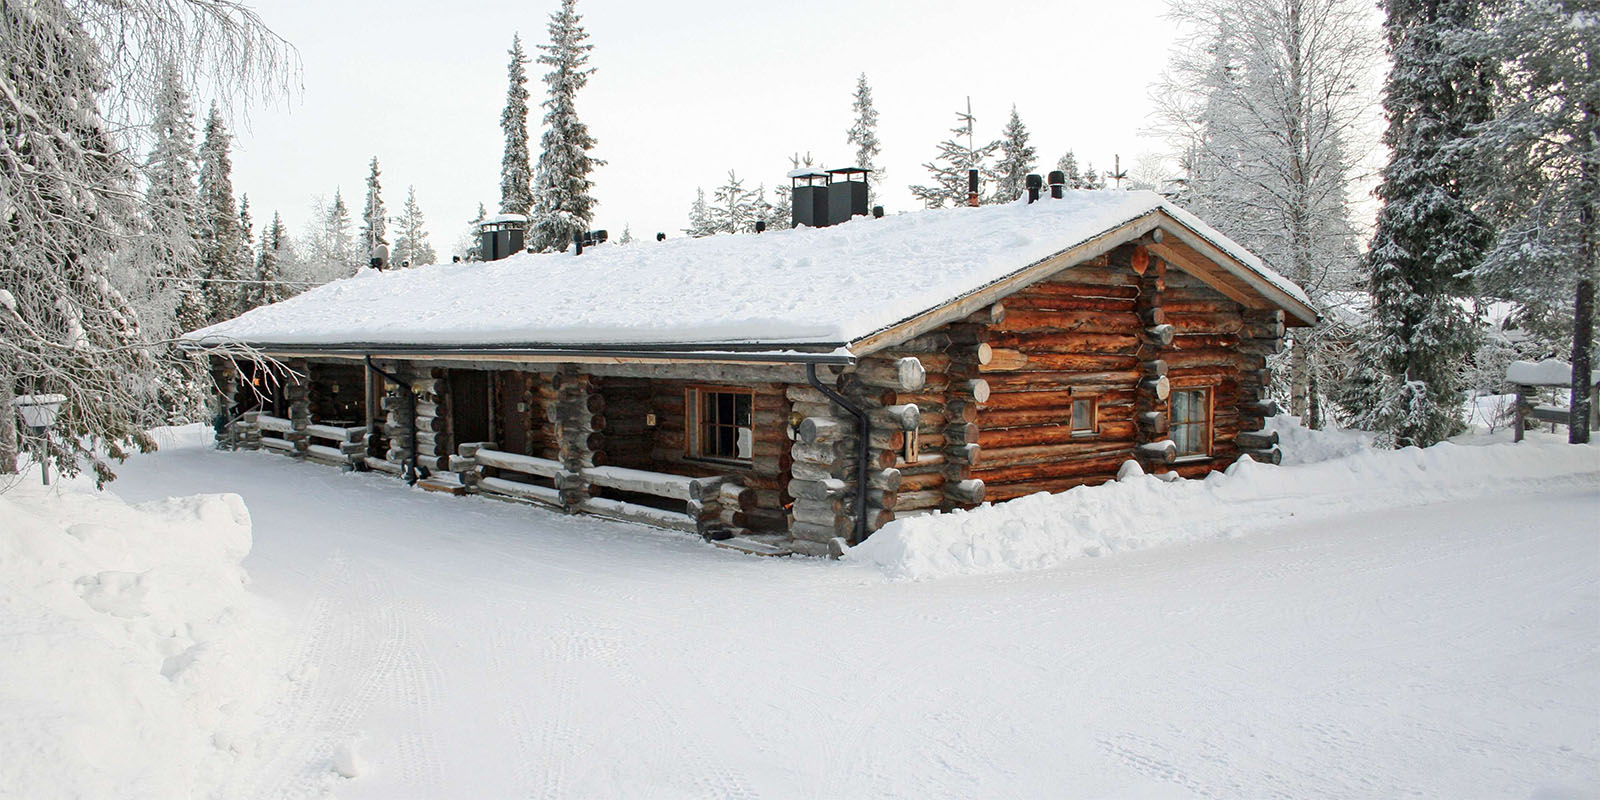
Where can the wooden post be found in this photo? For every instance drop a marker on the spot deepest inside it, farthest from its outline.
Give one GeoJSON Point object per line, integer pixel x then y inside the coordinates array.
{"type": "Point", "coordinates": [577, 401]}
{"type": "Point", "coordinates": [225, 378]}
{"type": "Point", "coordinates": [1519, 419]}
{"type": "Point", "coordinates": [297, 390]}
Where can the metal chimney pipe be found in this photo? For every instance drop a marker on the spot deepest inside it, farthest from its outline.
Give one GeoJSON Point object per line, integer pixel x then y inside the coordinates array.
{"type": "Point", "coordinates": [1058, 180]}
{"type": "Point", "coordinates": [877, 212]}
{"type": "Point", "coordinates": [577, 244]}
{"type": "Point", "coordinates": [972, 188]}
{"type": "Point", "coordinates": [1034, 183]}
{"type": "Point", "coordinates": [761, 226]}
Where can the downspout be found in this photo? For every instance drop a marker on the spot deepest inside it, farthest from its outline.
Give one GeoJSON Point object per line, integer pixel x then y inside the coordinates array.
{"type": "Point", "coordinates": [411, 472]}
{"type": "Point", "coordinates": [863, 446]}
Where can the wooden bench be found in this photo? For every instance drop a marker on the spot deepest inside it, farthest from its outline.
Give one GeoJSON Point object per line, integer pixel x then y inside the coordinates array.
{"type": "Point", "coordinates": [1529, 378]}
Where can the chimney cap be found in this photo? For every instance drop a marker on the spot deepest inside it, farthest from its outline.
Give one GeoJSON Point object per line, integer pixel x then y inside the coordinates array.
{"type": "Point", "coordinates": [846, 172]}
{"type": "Point", "coordinates": [808, 172]}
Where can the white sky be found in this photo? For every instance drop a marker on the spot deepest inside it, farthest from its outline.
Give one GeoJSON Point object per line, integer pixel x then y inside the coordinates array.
{"type": "Point", "coordinates": [685, 91]}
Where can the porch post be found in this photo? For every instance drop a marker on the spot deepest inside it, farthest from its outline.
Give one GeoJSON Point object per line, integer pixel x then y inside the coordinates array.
{"type": "Point", "coordinates": [297, 391]}
{"type": "Point", "coordinates": [580, 444]}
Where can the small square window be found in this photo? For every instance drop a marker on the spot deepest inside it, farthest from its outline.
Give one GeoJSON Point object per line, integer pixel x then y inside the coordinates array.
{"type": "Point", "coordinates": [719, 425]}
{"type": "Point", "coordinates": [1191, 421]}
{"type": "Point", "coordinates": [1084, 413]}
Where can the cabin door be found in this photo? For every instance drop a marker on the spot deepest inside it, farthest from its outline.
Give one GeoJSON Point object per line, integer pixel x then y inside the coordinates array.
{"type": "Point", "coordinates": [511, 407]}
{"type": "Point", "coordinates": [469, 406]}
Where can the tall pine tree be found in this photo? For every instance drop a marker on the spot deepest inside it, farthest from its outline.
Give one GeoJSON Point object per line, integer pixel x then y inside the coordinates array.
{"type": "Point", "coordinates": [1017, 159]}
{"type": "Point", "coordinates": [516, 172]}
{"type": "Point", "coordinates": [373, 215]}
{"type": "Point", "coordinates": [1068, 166]}
{"type": "Point", "coordinates": [562, 201]}
{"type": "Point", "coordinates": [343, 253]}
{"type": "Point", "coordinates": [864, 136]}
{"type": "Point", "coordinates": [220, 237]}
{"type": "Point", "coordinates": [172, 206]}
{"type": "Point", "coordinates": [1428, 235]}
{"type": "Point", "coordinates": [956, 158]}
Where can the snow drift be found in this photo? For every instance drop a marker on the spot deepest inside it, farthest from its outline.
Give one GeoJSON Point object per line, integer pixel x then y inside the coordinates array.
{"type": "Point", "coordinates": [134, 659]}
{"type": "Point", "coordinates": [1141, 511]}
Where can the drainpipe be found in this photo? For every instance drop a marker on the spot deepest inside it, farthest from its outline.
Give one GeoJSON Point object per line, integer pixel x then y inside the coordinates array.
{"type": "Point", "coordinates": [863, 445]}
{"type": "Point", "coordinates": [410, 474]}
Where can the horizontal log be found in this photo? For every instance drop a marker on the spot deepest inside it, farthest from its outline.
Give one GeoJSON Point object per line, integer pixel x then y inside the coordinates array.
{"type": "Point", "coordinates": [1084, 343]}
{"type": "Point", "coordinates": [1257, 441]}
{"type": "Point", "coordinates": [922, 481]}
{"type": "Point", "coordinates": [806, 394]}
{"type": "Point", "coordinates": [813, 430]}
{"type": "Point", "coordinates": [1208, 323]}
{"type": "Point", "coordinates": [901, 374]}
{"type": "Point", "coordinates": [1270, 455]}
{"type": "Point", "coordinates": [988, 315]}
{"type": "Point", "coordinates": [818, 512]}
{"type": "Point", "coordinates": [1092, 274]}
{"type": "Point", "coordinates": [1160, 335]}
{"type": "Point", "coordinates": [1164, 451]}
{"type": "Point", "coordinates": [1047, 302]}
{"type": "Point", "coordinates": [911, 501]}
{"type": "Point", "coordinates": [1159, 388]}
{"type": "Point", "coordinates": [1103, 464]}
{"type": "Point", "coordinates": [1126, 291]}
{"type": "Point", "coordinates": [903, 417]}
{"type": "Point", "coordinates": [1190, 304]}
{"type": "Point", "coordinates": [1041, 381]}
{"type": "Point", "coordinates": [1080, 321]}
{"type": "Point", "coordinates": [817, 490]}
{"type": "Point", "coordinates": [963, 453]}
{"type": "Point", "coordinates": [841, 527]}
{"type": "Point", "coordinates": [970, 491]}
{"type": "Point", "coordinates": [1038, 454]}
{"type": "Point", "coordinates": [996, 438]}
{"type": "Point", "coordinates": [1055, 362]}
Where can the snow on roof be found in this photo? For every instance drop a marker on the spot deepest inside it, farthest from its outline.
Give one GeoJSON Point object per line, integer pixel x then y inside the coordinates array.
{"type": "Point", "coordinates": [504, 218]}
{"type": "Point", "coordinates": [807, 286]}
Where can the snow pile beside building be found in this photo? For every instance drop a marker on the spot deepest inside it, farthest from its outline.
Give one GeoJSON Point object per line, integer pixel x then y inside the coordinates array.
{"type": "Point", "coordinates": [1302, 445]}
{"type": "Point", "coordinates": [134, 660]}
{"type": "Point", "coordinates": [1142, 511]}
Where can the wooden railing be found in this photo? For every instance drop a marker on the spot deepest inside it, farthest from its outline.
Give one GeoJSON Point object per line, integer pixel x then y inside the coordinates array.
{"type": "Point", "coordinates": [276, 433]}
{"type": "Point", "coordinates": [708, 502]}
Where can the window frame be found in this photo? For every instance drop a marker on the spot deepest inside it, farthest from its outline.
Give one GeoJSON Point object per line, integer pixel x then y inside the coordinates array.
{"type": "Point", "coordinates": [694, 407]}
{"type": "Point", "coordinates": [1094, 416]}
{"type": "Point", "coordinates": [1207, 422]}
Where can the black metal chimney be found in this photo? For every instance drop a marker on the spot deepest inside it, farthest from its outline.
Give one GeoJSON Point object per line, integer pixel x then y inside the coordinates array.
{"type": "Point", "coordinates": [847, 194]}
{"type": "Point", "coordinates": [1058, 180]}
{"type": "Point", "coordinates": [501, 236]}
{"type": "Point", "coordinates": [1034, 183]}
{"type": "Point", "coordinates": [809, 197]}
{"type": "Point", "coordinates": [972, 188]}
{"type": "Point", "coordinates": [761, 226]}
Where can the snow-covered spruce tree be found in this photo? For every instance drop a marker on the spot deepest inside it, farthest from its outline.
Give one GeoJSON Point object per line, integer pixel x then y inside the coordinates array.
{"type": "Point", "coordinates": [249, 293]}
{"type": "Point", "coordinates": [1262, 108]}
{"type": "Point", "coordinates": [780, 217]}
{"type": "Point", "coordinates": [1428, 235]}
{"type": "Point", "coordinates": [172, 208]}
{"type": "Point", "coordinates": [344, 252]}
{"type": "Point", "coordinates": [562, 201]}
{"type": "Point", "coordinates": [733, 208]}
{"type": "Point", "coordinates": [516, 171]}
{"type": "Point", "coordinates": [220, 237]}
{"type": "Point", "coordinates": [700, 219]}
{"type": "Point", "coordinates": [269, 262]}
{"type": "Point", "coordinates": [1017, 159]}
{"type": "Point", "coordinates": [863, 135]}
{"type": "Point", "coordinates": [627, 234]}
{"type": "Point", "coordinates": [373, 215]}
{"type": "Point", "coordinates": [466, 245]}
{"type": "Point", "coordinates": [949, 170]}
{"type": "Point", "coordinates": [411, 239]}
{"type": "Point", "coordinates": [1545, 190]}
{"type": "Point", "coordinates": [1068, 165]}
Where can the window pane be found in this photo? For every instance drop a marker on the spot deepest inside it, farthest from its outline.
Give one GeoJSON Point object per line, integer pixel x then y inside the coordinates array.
{"type": "Point", "coordinates": [1082, 415]}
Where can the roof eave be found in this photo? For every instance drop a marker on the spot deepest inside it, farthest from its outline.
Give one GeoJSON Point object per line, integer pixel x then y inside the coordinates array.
{"type": "Point", "coordinates": [718, 352]}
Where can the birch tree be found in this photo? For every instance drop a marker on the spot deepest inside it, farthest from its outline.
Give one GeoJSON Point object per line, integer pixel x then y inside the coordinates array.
{"type": "Point", "coordinates": [1265, 110]}
{"type": "Point", "coordinates": [67, 196]}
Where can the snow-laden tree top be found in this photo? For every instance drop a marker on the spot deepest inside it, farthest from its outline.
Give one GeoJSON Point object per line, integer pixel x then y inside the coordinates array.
{"type": "Point", "coordinates": [805, 286]}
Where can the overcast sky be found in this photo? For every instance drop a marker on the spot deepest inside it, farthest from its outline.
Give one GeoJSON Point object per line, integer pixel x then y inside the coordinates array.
{"type": "Point", "coordinates": [685, 91]}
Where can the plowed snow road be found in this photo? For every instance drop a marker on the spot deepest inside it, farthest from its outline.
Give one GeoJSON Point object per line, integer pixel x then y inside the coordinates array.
{"type": "Point", "coordinates": [484, 650]}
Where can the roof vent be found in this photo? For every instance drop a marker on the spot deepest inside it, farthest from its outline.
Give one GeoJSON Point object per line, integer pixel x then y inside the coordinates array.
{"type": "Point", "coordinates": [1034, 183]}
{"type": "Point", "coordinates": [1058, 181]}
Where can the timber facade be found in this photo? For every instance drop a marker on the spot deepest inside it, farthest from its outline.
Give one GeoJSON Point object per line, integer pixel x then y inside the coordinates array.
{"type": "Point", "coordinates": [1136, 345]}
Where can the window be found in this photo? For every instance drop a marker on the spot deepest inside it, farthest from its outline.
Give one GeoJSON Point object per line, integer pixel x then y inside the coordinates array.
{"type": "Point", "coordinates": [1084, 417]}
{"type": "Point", "coordinates": [1191, 421]}
{"type": "Point", "coordinates": [719, 424]}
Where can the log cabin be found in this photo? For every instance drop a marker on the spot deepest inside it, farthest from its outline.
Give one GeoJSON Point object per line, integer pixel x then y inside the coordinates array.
{"type": "Point", "coordinates": [787, 391]}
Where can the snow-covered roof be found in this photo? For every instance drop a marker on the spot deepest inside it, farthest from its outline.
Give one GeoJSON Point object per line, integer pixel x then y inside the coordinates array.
{"type": "Point", "coordinates": [807, 287]}
{"type": "Point", "coordinates": [504, 218]}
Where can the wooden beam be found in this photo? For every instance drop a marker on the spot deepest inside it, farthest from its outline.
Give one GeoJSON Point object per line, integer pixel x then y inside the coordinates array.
{"type": "Point", "coordinates": [1303, 314]}
{"type": "Point", "coordinates": [1191, 262]}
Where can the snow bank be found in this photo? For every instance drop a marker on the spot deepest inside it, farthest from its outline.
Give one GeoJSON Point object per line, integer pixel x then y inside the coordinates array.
{"type": "Point", "coordinates": [1140, 511]}
{"type": "Point", "coordinates": [134, 660]}
{"type": "Point", "coordinates": [1302, 445]}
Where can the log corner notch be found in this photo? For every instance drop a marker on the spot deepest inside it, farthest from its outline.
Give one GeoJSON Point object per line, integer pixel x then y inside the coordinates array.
{"type": "Point", "coordinates": [577, 440]}
{"type": "Point", "coordinates": [1152, 409]}
{"type": "Point", "coordinates": [1261, 336]}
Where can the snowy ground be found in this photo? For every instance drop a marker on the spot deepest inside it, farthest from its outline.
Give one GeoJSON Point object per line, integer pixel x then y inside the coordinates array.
{"type": "Point", "coordinates": [470, 648]}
